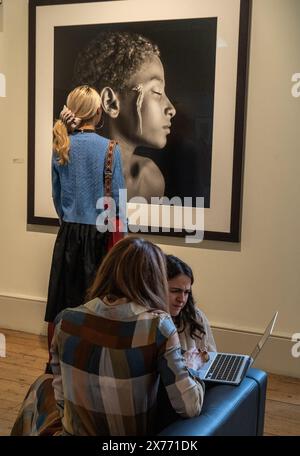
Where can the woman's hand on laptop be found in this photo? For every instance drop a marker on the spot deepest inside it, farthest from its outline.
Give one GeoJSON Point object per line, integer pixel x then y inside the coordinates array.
{"type": "Point", "coordinates": [195, 358]}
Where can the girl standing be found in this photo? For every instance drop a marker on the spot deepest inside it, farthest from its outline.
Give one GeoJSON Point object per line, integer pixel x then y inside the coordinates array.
{"type": "Point", "coordinates": [81, 162]}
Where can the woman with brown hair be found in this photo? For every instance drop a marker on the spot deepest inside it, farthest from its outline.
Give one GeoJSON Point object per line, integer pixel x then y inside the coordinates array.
{"type": "Point", "coordinates": [109, 354]}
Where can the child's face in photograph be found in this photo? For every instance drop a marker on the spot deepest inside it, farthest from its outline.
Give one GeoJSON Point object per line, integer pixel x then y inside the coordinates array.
{"type": "Point", "coordinates": [156, 109]}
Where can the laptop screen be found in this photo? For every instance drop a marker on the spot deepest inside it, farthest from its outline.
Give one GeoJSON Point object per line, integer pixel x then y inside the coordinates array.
{"type": "Point", "coordinates": [264, 337]}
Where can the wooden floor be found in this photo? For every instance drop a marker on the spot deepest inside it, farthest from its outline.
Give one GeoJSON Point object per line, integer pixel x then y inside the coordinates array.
{"type": "Point", "coordinates": [26, 355]}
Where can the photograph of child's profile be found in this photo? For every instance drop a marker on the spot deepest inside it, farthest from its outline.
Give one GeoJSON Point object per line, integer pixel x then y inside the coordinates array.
{"type": "Point", "coordinates": [156, 80]}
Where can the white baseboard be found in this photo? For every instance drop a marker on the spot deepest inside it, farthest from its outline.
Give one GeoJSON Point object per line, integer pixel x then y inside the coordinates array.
{"type": "Point", "coordinates": [23, 314]}
{"type": "Point", "coordinates": [27, 314]}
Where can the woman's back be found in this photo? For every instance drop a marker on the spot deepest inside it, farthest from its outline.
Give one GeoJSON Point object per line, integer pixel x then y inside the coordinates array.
{"type": "Point", "coordinates": [110, 359]}
{"type": "Point", "coordinates": [78, 184]}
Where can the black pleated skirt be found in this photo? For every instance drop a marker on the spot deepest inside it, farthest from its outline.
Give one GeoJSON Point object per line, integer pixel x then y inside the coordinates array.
{"type": "Point", "coordinates": [78, 252]}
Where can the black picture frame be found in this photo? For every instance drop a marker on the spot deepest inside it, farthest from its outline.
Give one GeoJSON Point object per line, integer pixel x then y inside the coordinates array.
{"type": "Point", "coordinates": [233, 230]}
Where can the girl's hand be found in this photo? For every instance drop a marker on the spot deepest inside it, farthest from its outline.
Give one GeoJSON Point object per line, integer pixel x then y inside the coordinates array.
{"type": "Point", "coordinates": [193, 359]}
{"type": "Point", "coordinates": [69, 119]}
{"type": "Point", "coordinates": [205, 356]}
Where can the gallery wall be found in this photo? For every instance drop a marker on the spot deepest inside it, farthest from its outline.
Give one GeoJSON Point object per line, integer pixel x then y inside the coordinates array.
{"type": "Point", "coordinates": [239, 286]}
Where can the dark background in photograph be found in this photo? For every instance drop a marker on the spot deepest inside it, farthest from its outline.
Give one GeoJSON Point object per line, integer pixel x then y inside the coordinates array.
{"type": "Point", "coordinates": [188, 51]}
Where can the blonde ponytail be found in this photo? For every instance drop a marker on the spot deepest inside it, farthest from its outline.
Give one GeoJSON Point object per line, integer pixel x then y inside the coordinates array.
{"type": "Point", "coordinates": [61, 142]}
{"type": "Point", "coordinates": [84, 102]}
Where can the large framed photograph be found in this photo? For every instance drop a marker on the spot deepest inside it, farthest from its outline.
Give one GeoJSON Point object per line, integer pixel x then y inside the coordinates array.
{"type": "Point", "coordinates": [193, 153]}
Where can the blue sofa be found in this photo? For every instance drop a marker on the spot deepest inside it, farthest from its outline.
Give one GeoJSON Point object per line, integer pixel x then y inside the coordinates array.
{"type": "Point", "coordinates": [227, 410]}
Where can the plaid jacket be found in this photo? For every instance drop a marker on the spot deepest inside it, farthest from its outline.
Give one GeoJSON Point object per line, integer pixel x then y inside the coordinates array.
{"type": "Point", "coordinates": [107, 361]}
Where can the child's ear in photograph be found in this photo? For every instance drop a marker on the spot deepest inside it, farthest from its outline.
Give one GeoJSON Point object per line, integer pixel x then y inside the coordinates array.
{"type": "Point", "coordinates": [110, 102]}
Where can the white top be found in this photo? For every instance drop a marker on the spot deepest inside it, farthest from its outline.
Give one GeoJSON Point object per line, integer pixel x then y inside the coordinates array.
{"type": "Point", "coordinates": [207, 343]}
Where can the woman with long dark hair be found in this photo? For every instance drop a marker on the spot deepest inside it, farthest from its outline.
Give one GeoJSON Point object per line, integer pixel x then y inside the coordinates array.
{"type": "Point", "coordinates": [193, 328]}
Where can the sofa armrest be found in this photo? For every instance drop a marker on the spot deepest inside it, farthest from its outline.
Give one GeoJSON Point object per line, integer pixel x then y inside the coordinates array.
{"type": "Point", "coordinates": [227, 410]}
{"type": "Point", "coordinates": [261, 379]}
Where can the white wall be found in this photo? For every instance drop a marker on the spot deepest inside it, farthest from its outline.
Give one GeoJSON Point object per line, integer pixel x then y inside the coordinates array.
{"type": "Point", "coordinates": [238, 286]}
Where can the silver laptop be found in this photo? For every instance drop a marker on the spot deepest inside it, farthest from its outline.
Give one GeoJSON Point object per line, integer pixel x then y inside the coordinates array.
{"type": "Point", "coordinates": [230, 368]}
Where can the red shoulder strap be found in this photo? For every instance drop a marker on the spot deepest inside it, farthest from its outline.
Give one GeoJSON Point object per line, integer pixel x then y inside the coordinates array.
{"type": "Point", "coordinates": [109, 158]}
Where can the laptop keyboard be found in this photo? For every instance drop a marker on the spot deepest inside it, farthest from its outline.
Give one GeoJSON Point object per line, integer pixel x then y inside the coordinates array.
{"type": "Point", "coordinates": [225, 367]}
